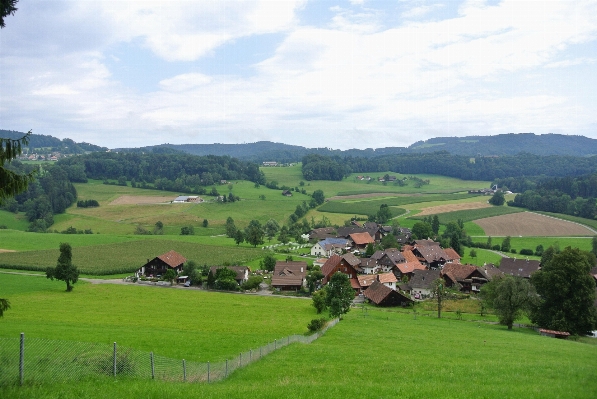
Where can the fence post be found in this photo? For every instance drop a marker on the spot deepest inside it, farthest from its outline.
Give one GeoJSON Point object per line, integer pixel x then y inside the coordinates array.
{"type": "Point", "coordinates": [275, 345]}
{"type": "Point", "coordinates": [22, 359]}
{"type": "Point", "coordinates": [226, 375]}
{"type": "Point", "coordinates": [114, 359]}
{"type": "Point", "coordinates": [260, 355]}
{"type": "Point", "coordinates": [184, 370]}
{"type": "Point", "coordinates": [250, 355]}
{"type": "Point", "coordinates": [208, 372]}
{"type": "Point", "coordinates": [152, 366]}
{"type": "Point", "coordinates": [240, 360]}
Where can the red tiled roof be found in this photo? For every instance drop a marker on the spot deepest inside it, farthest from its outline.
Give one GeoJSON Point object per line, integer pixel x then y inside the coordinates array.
{"type": "Point", "coordinates": [365, 280]}
{"type": "Point", "coordinates": [458, 272]}
{"type": "Point", "coordinates": [355, 284]}
{"type": "Point", "coordinates": [409, 256]}
{"type": "Point", "coordinates": [452, 254]}
{"type": "Point", "coordinates": [330, 264]}
{"type": "Point", "coordinates": [362, 238]}
{"type": "Point", "coordinates": [409, 267]}
{"type": "Point", "coordinates": [172, 259]}
{"type": "Point", "coordinates": [386, 278]}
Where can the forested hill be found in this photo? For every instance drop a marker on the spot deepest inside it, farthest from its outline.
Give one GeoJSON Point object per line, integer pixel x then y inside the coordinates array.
{"type": "Point", "coordinates": [499, 145]}
{"type": "Point", "coordinates": [43, 143]}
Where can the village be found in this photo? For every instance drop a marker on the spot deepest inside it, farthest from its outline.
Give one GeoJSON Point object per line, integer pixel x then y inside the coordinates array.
{"type": "Point", "coordinates": [388, 277]}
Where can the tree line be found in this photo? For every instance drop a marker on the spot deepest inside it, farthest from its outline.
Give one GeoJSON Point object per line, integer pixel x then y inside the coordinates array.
{"type": "Point", "coordinates": [319, 167]}
{"type": "Point", "coordinates": [177, 172]}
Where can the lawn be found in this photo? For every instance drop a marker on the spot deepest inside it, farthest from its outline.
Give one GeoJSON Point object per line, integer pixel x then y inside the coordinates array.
{"type": "Point", "coordinates": [382, 354]}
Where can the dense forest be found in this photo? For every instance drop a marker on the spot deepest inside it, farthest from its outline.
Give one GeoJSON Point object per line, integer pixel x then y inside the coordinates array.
{"type": "Point", "coordinates": [317, 167]}
{"type": "Point", "coordinates": [50, 193]}
{"type": "Point", "coordinates": [176, 172]}
{"type": "Point", "coordinates": [569, 195]}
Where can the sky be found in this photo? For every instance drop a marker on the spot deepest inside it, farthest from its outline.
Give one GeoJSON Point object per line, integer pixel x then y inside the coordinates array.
{"type": "Point", "coordinates": [325, 73]}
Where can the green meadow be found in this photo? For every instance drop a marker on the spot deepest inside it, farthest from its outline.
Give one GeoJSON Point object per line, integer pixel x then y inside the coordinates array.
{"type": "Point", "coordinates": [380, 353]}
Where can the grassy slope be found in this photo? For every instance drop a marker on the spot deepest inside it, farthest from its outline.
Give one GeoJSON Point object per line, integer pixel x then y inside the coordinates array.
{"type": "Point", "coordinates": [179, 323]}
{"type": "Point", "coordinates": [386, 355]}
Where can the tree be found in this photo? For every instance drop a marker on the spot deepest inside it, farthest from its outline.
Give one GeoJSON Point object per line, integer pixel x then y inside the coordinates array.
{"type": "Point", "coordinates": [435, 224]}
{"type": "Point", "coordinates": [230, 227]}
{"type": "Point", "coordinates": [7, 7]}
{"type": "Point", "coordinates": [12, 183]}
{"type": "Point", "coordinates": [566, 292]}
{"type": "Point", "coordinates": [4, 306]}
{"type": "Point", "coordinates": [473, 253]}
{"type": "Point", "coordinates": [225, 279]}
{"type": "Point", "coordinates": [339, 294]}
{"type": "Point", "coordinates": [159, 228]}
{"type": "Point", "coordinates": [211, 279]}
{"type": "Point", "coordinates": [271, 229]}
{"type": "Point", "coordinates": [439, 293]}
{"type": "Point", "coordinates": [205, 223]}
{"type": "Point", "coordinates": [254, 233]}
{"type": "Point", "coordinates": [506, 244]}
{"type": "Point", "coordinates": [239, 237]}
{"type": "Point", "coordinates": [314, 277]}
{"type": "Point", "coordinates": [170, 275]}
{"type": "Point", "coordinates": [187, 231]}
{"type": "Point", "coordinates": [389, 241]}
{"type": "Point", "coordinates": [384, 214]}
{"type": "Point", "coordinates": [497, 199]}
{"type": "Point", "coordinates": [594, 245]}
{"type": "Point", "coordinates": [64, 269]}
{"type": "Point", "coordinates": [192, 270]}
{"type": "Point", "coordinates": [268, 263]}
{"type": "Point", "coordinates": [318, 197]}
{"type": "Point", "coordinates": [283, 237]}
{"type": "Point", "coordinates": [370, 250]}
{"type": "Point", "coordinates": [509, 297]}
{"type": "Point", "coordinates": [319, 301]}
{"type": "Point", "coordinates": [421, 231]}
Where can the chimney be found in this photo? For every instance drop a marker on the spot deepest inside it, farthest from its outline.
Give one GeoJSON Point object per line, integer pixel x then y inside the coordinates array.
{"type": "Point", "coordinates": [301, 269]}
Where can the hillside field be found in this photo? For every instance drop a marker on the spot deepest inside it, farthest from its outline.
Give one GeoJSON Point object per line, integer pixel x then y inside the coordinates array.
{"type": "Point", "coordinates": [531, 224]}
{"type": "Point", "coordinates": [377, 354]}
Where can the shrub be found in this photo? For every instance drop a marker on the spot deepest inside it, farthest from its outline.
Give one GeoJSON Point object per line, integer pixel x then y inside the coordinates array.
{"type": "Point", "coordinates": [526, 251]}
{"type": "Point", "coordinates": [252, 283]}
{"type": "Point", "coordinates": [316, 324]}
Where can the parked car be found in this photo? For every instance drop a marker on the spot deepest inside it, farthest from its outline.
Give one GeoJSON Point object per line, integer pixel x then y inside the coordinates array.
{"type": "Point", "coordinates": [187, 284]}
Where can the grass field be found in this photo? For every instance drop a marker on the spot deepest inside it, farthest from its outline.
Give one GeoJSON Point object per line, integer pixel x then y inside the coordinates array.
{"type": "Point", "coordinates": [519, 243]}
{"type": "Point", "coordinates": [386, 354]}
{"type": "Point", "coordinates": [473, 214]}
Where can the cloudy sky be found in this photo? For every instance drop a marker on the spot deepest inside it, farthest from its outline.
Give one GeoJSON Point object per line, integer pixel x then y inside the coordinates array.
{"type": "Point", "coordinates": [325, 73]}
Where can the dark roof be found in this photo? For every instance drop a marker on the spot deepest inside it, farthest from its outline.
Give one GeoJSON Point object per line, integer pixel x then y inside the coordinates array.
{"type": "Point", "coordinates": [351, 259]}
{"type": "Point", "coordinates": [423, 278]}
{"type": "Point", "coordinates": [519, 267]}
{"type": "Point", "coordinates": [345, 231]}
{"type": "Point", "coordinates": [425, 243]}
{"type": "Point", "coordinates": [370, 225]}
{"type": "Point", "coordinates": [378, 255]}
{"type": "Point", "coordinates": [368, 262]}
{"type": "Point", "coordinates": [289, 273]}
{"type": "Point", "coordinates": [322, 232]}
{"type": "Point", "coordinates": [394, 256]}
{"type": "Point", "coordinates": [382, 295]}
{"type": "Point", "coordinates": [172, 259]}
{"type": "Point", "coordinates": [432, 253]}
{"type": "Point", "coordinates": [491, 271]}
{"type": "Point", "coordinates": [458, 272]}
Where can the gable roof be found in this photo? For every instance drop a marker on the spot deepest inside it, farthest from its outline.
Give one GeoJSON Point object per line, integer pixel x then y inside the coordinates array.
{"type": "Point", "coordinates": [432, 253]}
{"type": "Point", "coordinates": [368, 263]}
{"type": "Point", "coordinates": [322, 232]}
{"type": "Point", "coordinates": [365, 280]}
{"type": "Point", "coordinates": [519, 267]}
{"type": "Point", "coordinates": [387, 278]}
{"type": "Point", "coordinates": [289, 273]}
{"type": "Point", "coordinates": [491, 271]}
{"type": "Point", "coordinates": [378, 255]}
{"type": "Point", "coordinates": [172, 259]}
{"type": "Point", "coordinates": [410, 267]}
{"type": "Point", "coordinates": [452, 254]}
{"type": "Point", "coordinates": [351, 259]}
{"type": "Point", "coordinates": [362, 238]}
{"type": "Point", "coordinates": [330, 264]}
{"type": "Point", "coordinates": [457, 272]}
{"type": "Point", "coordinates": [379, 294]}
{"type": "Point", "coordinates": [334, 240]}
{"type": "Point", "coordinates": [423, 278]}
{"type": "Point", "coordinates": [409, 255]}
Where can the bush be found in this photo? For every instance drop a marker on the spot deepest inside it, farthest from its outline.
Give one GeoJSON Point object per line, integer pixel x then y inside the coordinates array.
{"type": "Point", "coordinates": [496, 247]}
{"type": "Point", "coordinates": [526, 251]}
{"type": "Point", "coordinates": [252, 283]}
{"type": "Point", "coordinates": [316, 324]}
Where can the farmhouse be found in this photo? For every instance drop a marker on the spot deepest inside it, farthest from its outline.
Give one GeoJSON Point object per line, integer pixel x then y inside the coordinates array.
{"type": "Point", "coordinates": [391, 257]}
{"type": "Point", "coordinates": [466, 278]}
{"type": "Point", "coordinates": [337, 263]}
{"type": "Point", "coordinates": [519, 267]}
{"type": "Point", "coordinates": [160, 264]}
{"type": "Point", "coordinates": [330, 246]}
{"type": "Point", "coordinates": [289, 275]}
{"type": "Point", "coordinates": [421, 283]}
{"type": "Point", "coordinates": [381, 295]}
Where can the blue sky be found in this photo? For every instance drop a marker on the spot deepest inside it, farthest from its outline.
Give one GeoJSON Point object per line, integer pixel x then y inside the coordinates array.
{"type": "Point", "coordinates": [339, 74]}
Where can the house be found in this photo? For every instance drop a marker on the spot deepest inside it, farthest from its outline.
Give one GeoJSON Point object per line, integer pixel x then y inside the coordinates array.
{"type": "Point", "coordinates": [337, 263]}
{"type": "Point", "coordinates": [270, 163]}
{"type": "Point", "coordinates": [519, 267]}
{"type": "Point", "coordinates": [160, 264]}
{"type": "Point", "coordinates": [466, 278]}
{"type": "Point", "coordinates": [432, 256]}
{"type": "Point", "coordinates": [451, 255]}
{"type": "Point", "coordinates": [289, 275]}
{"type": "Point", "coordinates": [287, 193]}
{"type": "Point", "coordinates": [381, 295]}
{"type": "Point", "coordinates": [388, 279]}
{"type": "Point", "coordinates": [330, 246]}
{"type": "Point", "coordinates": [242, 272]}
{"type": "Point", "coordinates": [369, 266]}
{"type": "Point", "coordinates": [421, 283]}
{"type": "Point", "coordinates": [365, 280]}
{"type": "Point", "coordinates": [322, 233]}
{"type": "Point", "coordinates": [319, 262]}
{"type": "Point", "coordinates": [490, 271]}
{"type": "Point", "coordinates": [361, 240]}
{"type": "Point", "coordinates": [390, 259]}
{"type": "Point", "coordinates": [406, 269]}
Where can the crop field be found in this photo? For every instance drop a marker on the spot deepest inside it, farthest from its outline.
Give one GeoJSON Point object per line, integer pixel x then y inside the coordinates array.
{"type": "Point", "coordinates": [531, 224]}
{"type": "Point", "coordinates": [371, 206]}
{"type": "Point", "coordinates": [128, 256]}
{"type": "Point", "coordinates": [470, 360]}
{"type": "Point", "coordinates": [587, 222]}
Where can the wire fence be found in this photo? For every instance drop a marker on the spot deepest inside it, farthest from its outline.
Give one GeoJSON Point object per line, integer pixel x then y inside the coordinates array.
{"type": "Point", "coordinates": [38, 360]}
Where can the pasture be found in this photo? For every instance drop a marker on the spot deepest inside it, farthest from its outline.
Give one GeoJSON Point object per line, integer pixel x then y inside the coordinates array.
{"type": "Point", "coordinates": [383, 353]}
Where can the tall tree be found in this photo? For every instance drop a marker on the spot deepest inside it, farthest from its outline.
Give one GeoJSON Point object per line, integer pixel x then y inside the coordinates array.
{"type": "Point", "coordinates": [567, 292]}
{"type": "Point", "coordinates": [497, 199]}
{"type": "Point", "coordinates": [439, 293]}
{"type": "Point", "coordinates": [254, 233]}
{"type": "Point", "coordinates": [339, 294]}
{"type": "Point", "coordinates": [510, 297]}
{"type": "Point", "coordinates": [435, 224]}
{"type": "Point", "coordinates": [230, 227]}
{"type": "Point", "coordinates": [12, 183]}
{"type": "Point", "coordinates": [64, 270]}
{"type": "Point", "coordinates": [4, 305]}
{"type": "Point", "coordinates": [7, 7]}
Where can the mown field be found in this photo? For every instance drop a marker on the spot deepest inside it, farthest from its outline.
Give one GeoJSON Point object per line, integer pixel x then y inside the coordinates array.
{"type": "Point", "coordinates": [377, 354]}
{"type": "Point", "coordinates": [127, 256]}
